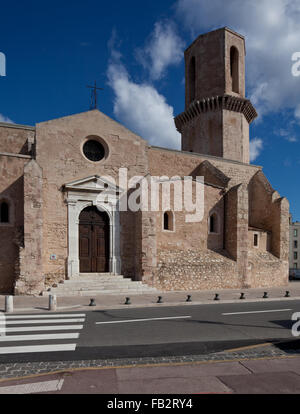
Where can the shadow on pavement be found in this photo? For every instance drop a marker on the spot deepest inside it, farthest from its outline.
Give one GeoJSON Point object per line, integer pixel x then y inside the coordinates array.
{"type": "Point", "coordinates": [289, 347]}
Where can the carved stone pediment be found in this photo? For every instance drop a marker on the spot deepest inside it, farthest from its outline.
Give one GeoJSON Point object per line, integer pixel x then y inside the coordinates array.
{"type": "Point", "coordinates": [95, 184]}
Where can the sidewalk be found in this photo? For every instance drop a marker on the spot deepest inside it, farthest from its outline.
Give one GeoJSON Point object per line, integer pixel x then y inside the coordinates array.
{"type": "Point", "coordinates": [108, 301]}
{"type": "Point", "coordinates": [263, 376]}
{"type": "Point", "coordinates": [246, 370]}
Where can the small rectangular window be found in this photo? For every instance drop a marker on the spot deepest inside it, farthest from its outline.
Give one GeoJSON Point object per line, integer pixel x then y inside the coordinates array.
{"type": "Point", "coordinates": [256, 240]}
{"type": "Point", "coordinates": [295, 244]}
{"type": "Point", "coordinates": [295, 233]}
{"type": "Point", "coordinates": [295, 265]}
{"type": "Point", "coordinates": [295, 255]}
{"type": "Point", "coordinates": [168, 221]}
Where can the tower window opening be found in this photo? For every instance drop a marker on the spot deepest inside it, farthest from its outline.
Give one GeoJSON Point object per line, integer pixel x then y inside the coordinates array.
{"type": "Point", "coordinates": [234, 69]}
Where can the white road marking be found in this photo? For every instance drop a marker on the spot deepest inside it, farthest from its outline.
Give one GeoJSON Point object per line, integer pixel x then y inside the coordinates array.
{"type": "Point", "coordinates": [45, 328]}
{"type": "Point", "coordinates": [67, 315]}
{"type": "Point", "coordinates": [265, 311]}
{"type": "Point", "coordinates": [42, 337]}
{"type": "Point", "coordinates": [37, 348]}
{"type": "Point", "coordinates": [46, 386]}
{"type": "Point", "coordinates": [144, 320]}
{"type": "Point", "coordinates": [42, 321]}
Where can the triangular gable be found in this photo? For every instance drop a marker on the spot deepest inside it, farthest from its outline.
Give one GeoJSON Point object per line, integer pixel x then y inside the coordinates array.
{"type": "Point", "coordinates": [260, 178]}
{"type": "Point", "coordinates": [94, 183]}
{"type": "Point", "coordinates": [95, 123]}
{"type": "Point", "coordinates": [212, 175]}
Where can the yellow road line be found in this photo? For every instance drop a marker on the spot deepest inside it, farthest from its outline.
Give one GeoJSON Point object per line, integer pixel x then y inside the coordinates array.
{"type": "Point", "coordinates": [244, 348]}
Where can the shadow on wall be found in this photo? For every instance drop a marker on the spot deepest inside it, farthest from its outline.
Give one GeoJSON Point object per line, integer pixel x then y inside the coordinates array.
{"type": "Point", "coordinates": [11, 235]}
{"type": "Point", "coordinates": [215, 237]}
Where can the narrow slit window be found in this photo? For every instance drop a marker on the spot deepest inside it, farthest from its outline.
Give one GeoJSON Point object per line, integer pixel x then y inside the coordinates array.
{"type": "Point", "coordinates": [255, 240]}
{"type": "Point", "coordinates": [4, 212]}
{"type": "Point", "coordinates": [168, 221]}
{"type": "Point", "coordinates": [213, 223]}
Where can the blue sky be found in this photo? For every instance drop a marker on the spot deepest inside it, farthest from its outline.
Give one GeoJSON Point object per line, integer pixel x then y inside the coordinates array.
{"type": "Point", "coordinates": [135, 50]}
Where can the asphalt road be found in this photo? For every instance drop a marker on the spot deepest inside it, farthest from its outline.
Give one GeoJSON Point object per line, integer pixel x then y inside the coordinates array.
{"type": "Point", "coordinates": [145, 332]}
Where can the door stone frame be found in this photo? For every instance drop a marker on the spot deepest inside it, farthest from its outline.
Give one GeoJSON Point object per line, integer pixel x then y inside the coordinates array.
{"type": "Point", "coordinates": [82, 194]}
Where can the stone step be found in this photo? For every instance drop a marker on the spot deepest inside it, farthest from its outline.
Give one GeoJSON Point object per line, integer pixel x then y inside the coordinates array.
{"type": "Point", "coordinates": [99, 283]}
{"type": "Point", "coordinates": [104, 288]}
{"type": "Point", "coordinates": [91, 293]}
{"type": "Point", "coordinates": [108, 287]}
{"type": "Point", "coordinates": [96, 275]}
{"type": "Point", "coordinates": [123, 289]}
{"type": "Point", "coordinates": [116, 282]}
{"type": "Point", "coordinates": [96, 287]}
{"type": "Point", "coordinates": [98, 280]}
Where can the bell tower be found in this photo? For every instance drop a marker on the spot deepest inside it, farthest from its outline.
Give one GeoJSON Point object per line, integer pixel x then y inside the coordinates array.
{"type": "Point", "coordinates": [217, 115]}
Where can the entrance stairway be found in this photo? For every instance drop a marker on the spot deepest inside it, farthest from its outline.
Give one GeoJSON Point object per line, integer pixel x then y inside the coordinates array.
{"type": "Point", "coordinates": [87, 284]}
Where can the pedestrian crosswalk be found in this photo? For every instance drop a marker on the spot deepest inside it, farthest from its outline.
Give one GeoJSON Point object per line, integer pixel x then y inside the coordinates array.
{"type": "Point", "coordinates": [23, 334]}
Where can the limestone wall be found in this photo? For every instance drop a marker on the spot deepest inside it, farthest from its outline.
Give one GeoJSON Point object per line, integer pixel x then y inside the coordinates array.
{"type": "Point", "coordinates": [16, 139]}
{"type": "Point", "coordinates": [196, 269]}
{"type": "Point", "coordinates": [13, 140]}
{"type": "Point", "coordinates": [30, 278]}
{"type": "Point", "coordinates": [171, 163]}
{"type": "Point", "coordinates": [266, 270]}
{"type": "Point", "coordinates": [188, 256]}
{"type": "Point", "coordinates": [59, 153]}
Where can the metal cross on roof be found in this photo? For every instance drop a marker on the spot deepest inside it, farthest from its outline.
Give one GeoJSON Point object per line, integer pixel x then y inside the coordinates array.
{"type": "Point", "coordinates": [94, 95]}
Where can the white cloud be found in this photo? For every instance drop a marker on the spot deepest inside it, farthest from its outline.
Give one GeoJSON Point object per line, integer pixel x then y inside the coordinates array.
{"type": "Point", "coordinates": [272, 31]}
{"type": "Point", "coordinates": [164, 48]}
{"type": "Point", "coordinates": [4, 118]}
{"type": "Point", "coordinates": [141, 108]}
{"type": "Point", "coordinates": [287, 134]}
{"type": "Point", "coordinates": [283, 133]}
{"type": "Point", "coordinates": [297, 113]}
{"type": "Point", "coordinates": [256, 146]}
{"type": "Point", "coordinates": [291, 139]}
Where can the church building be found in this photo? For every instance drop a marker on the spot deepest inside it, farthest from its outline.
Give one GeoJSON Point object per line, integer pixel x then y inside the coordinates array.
{"type": "Point", "coordinates": [55, 228]}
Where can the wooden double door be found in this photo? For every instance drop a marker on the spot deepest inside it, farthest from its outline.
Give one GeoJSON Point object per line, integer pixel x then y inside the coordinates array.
{"type": "Point", "coordinates": [93, 241]}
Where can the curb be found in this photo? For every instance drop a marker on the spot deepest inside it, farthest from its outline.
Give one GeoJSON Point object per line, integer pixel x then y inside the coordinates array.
{"type": "Point", "coordinates": [154, 304]}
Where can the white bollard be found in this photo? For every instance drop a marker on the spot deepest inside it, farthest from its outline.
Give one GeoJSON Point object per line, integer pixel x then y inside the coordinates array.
{"type": "Point", "coordinates": [52, 303]}
{"type": "Point", "coordinates": [9, 304]}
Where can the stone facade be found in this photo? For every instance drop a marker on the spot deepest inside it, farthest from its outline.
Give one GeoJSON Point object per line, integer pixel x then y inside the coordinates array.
{"type": "Point", "coordinates": [217, 114]}
{"type": "Point", "coordinates": [47, 180]}
{"type": "Point", "coordinates": [294, 256]}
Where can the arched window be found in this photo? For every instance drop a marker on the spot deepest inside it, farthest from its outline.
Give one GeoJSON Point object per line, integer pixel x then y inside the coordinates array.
{"type": "Point", "coordinates": [168, 221]}
{"type": "Point", "coordinates": [234, 69]}
{"type": "Point", "coordinates": [4, 212]}
{"type": "Point", "coordinates": [213, 223]}
{"type": "Point", "coordinates": [192, 78]}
